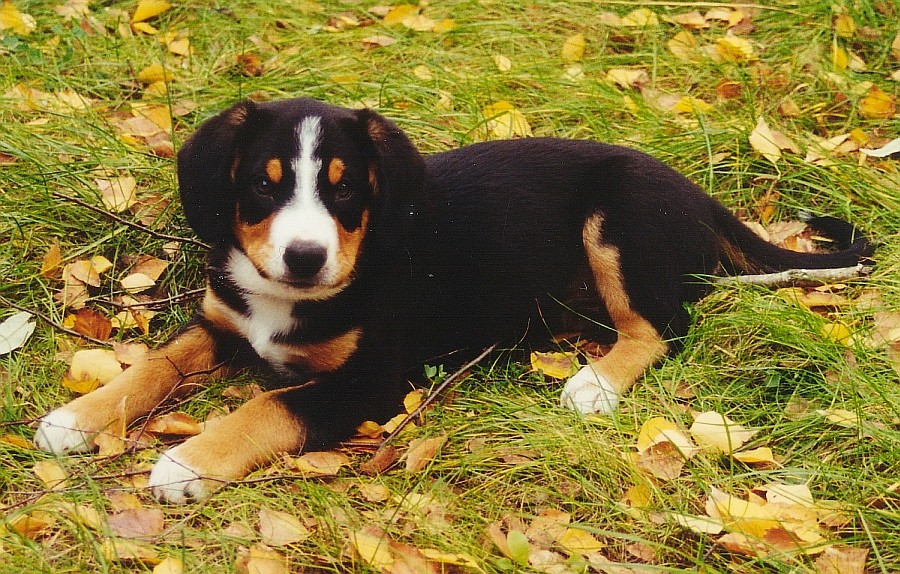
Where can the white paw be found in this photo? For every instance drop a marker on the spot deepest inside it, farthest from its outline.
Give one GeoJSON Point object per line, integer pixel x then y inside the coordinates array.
{"type": "Point", "coordinates": [589, 392]}
{"type": "Point", "coordinates": [59, 433]}
{"type": "Point", "coordinates": [174, 480]}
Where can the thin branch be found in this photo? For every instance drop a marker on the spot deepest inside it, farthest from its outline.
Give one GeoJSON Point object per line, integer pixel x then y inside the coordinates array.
{"type": "Point", "coordinates": [799, 277]}
{"type": "Point", "coordinates": [186, 296]}
{"type": "Point", "coordinates": [431, 398]}
{"type": "Point", "coordinates": [127, 223]}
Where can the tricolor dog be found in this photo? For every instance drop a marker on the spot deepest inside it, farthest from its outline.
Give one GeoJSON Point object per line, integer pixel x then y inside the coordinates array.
{"type": "Point", "coordinates": [341, 261]}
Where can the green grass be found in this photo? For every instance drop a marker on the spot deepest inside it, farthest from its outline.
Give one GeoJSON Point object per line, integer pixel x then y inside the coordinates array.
{"type": "Point", "coordinates": [511, 451]}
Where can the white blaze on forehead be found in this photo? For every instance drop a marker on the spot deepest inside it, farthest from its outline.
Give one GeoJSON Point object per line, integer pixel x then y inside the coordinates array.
{"type": "Point", "coordinates": [304, 218]}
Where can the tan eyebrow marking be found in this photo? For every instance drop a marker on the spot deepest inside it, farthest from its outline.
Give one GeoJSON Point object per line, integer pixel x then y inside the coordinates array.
{"type": "Point", "coordinates": [336, 170]}
{"type": "Point", "coordinates": [273, 170]}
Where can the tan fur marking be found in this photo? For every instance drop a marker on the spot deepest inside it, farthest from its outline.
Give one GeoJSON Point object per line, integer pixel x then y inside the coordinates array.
{"type": "Point", "coordinates": [254, 239]}
{"type": "Point", "coordinates": [336, 170]}
{"type": "Point", "coordinates": [349, 244]}
{"type": "Point", "coordinates": [234, 166]}
{"type": "Point", "coordinates": [325, 356]}
{"type": "Point", "coordinates": [639, 345]}
{"type": "Point", "coordinates": [248, 438]}
{"type": "Point", "coordinates": [218, 312]}
{"type": "Point", "coordinates": [168, 372]}
{"type": "Point", "coordinates": [273, 170]}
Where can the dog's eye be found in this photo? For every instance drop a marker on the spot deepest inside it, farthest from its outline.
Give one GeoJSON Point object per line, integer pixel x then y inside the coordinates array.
{"type": "Point", "coordinates": [263, 186]}
{"type": "Point", "coordinates": [343, 191]}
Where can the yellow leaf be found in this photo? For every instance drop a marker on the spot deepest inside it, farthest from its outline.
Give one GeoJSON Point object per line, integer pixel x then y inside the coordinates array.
{"type": "Point", "coordinates": [180, 47]}
{"type": "Point", "coordinates": [837, 332]}
{"type": "Point", "coordinates": [279, 528]}
{"type": "Point", "coordinates": [144, 28]}
{"type": "Point", "coordinates": [555, 365]}
{"type": "Point", "coordinates": [175, 423]}
{"type": "Point", "coordinates": [503, 63]}
{"type": "Point", "coordinates": [692, 19]}
{"type": "Point", "coordinates": [877, 104]}
{"type": "Point", "coordinates": [844, 25]}
{"type": "Point", "coordinates": [116, 549]}
{"type": "Point", "coordinates": [698, 524]}
{"type": "Point", "coordinates": [714, 431]}
{"type": "Point", "coordinates": [691, 105]}
{"type": "Point", "coordinates": [735, 49]}
{"type": "Point", "coordinates": [400, 12]}
{"type": "Point", "coordinates": [371, 545]}
{"type": "Point", "coordinates": [895, 47]}
{"type": "Point", "coordinates": [576, 541]}
{"type": "Point", "coordinates": [839, 58]}
{"type": "Point", "coordinates": [154, 73]}
{"type": "Point", "coordinates": [640, 18]}
{"type": "Point", "coordinates": [147, 9]}
{"type": "Point", "coordinates": [264, 560]}
{"type": "Point", "coordinates": [505, 121]}
{"type": "Point", "coordinates": [573, 48]}
{"type": "Point", "coordinates": [627, 77]}
{"type": "Point", "coordinates": [170, 565]}
{"type": "Point", "coordinates": [657, 429]}
{"type": "Point", "coordinates": [738, 515]}
{"type": "Point", "coordinates": [11, 19]}
{"type": "Point", "coordinates": [763, 140]}
{"type": "Point", "coordinates": [840, 417]}
{"type": "Point", "coordinates": [137, 282]}
{"type": "Point", "coordinates": [762, 456]}
{"type": "Point", "coordinates": [91, 368]}
{"type": "Point", "coordinates": [444, 26]}
{"type": "Point", "coordinates": [684, 46]}
{"type": "Point", "coordinates": [454, 558]}
{"type": "Point", "coordinates": [51, 473]}
{"type": "Point", "coordinates": [412, 400]}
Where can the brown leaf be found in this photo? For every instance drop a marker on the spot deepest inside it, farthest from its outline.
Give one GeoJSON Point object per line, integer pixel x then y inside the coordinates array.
{"type": "Point", "coordinates": [177, 423]}
{"type": "Point", "coordinates": [137, 523]}
{"type": "Point", "coordinates": [662, 460]}
{"type": "Point", "coordinates": [422, 451]}
{"type": "Point", "coordinates": [261, 559]}
{"type": "Point", "coordinates": [842, 560]}
{"type": "Point", "coordinates": [327, 463]}
{"type": "Point", "coordinates": [382, 460]}
{"type": "Point", "coordinates": [92, 323]}
{"type": "Point", "coordinates": [51, 261]}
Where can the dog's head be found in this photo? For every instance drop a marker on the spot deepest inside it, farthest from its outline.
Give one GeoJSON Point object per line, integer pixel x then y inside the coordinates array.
{"type": "Point", "coordinates": [301, 189]}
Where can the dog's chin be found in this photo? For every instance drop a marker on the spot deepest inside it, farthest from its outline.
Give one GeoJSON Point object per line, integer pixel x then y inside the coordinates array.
{"type": "Point", "coordinates": [305, 289]}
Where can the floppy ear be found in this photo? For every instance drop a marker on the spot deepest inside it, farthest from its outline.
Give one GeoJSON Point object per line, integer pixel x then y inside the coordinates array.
{"type": "Point", "coordinates": [204, 172]}
{"type": "Point", "coordinates": [399, 173]}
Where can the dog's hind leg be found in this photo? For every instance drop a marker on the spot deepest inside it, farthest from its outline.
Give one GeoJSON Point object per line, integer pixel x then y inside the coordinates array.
{"type": "Point", "coordinates": [598, 386]}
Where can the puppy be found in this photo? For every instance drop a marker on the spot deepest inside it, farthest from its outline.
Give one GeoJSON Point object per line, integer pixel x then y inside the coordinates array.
{"type": "Point", "coordinates": [341, 260]}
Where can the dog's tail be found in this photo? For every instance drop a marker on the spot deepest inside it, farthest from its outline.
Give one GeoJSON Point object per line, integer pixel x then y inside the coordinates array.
{"type": "Point", "coordinates": [744, 251]}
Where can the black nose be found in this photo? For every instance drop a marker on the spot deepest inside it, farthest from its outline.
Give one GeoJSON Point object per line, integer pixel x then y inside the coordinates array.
{"type": "Point", "coordinates": [304, 258]}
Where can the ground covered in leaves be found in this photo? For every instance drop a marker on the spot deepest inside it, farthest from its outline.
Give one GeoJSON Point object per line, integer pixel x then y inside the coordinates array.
{"type": "Point", "coordinates": [770, 444]}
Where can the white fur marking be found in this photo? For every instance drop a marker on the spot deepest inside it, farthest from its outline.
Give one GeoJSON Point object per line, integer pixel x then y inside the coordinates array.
{"type": "Point", "coordinates": [59, 433]}
{"type": "Point", "coordinates": [305, 217]}
{"type": "Point", "coordinates": [589, 392]}
{"type": "Point", "coordinates": [172, 480]}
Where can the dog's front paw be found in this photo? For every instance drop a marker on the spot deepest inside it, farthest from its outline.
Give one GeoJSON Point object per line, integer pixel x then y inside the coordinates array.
{"type": "Point", "coordinates": [61, 432]}
{"type": "Point", "coordinates": [176, 478]}
{"type": "Point", "coordinates": [589, 392]}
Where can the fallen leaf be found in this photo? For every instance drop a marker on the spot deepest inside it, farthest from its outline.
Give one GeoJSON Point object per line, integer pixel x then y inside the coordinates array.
{"type": "Point", "coordinates": [877, 104]}
{"type": "Point", "coordinates": [887, 149]}
{"type": "Point", "coordinates": [422, 451]}
{"type": "Point", "coordinates": [555, 365]}
{"type": "Point", "coordinates": [261, 559]}
{"type": "Point", "coordinates": [842, 560]}
{"type": "Point", "coordinates": [117, 549]}
{"type": "Point", "coordinates": [714, 431]}
{"type": "Point", "coordinates": [657, 429]}
{"type": "Point", "coordinates": [382, 460]}
{"type": "Point", "coordinates": [15, 331]}
{"type": "Point", "coordinates": [577, 541]}
{"type": "Point", "coordinates": [91, 368]}
{"type": "Point", "coordinates": [763, 140]}
{"type": "Point", "coordinates": [117, 194]}
{"type": "Point", "coordinates": [379, 41]}
{"type": "Point", "coordinates": [640, 18]}
{"type": "Point", "coordinates": [31, 525]}
{"type": "Point", "coordinates": [154, 73]}
{"type": "Point", "coordinates": [685, 47]}
{"type": "Point", "coordinates": [503, 63]}
{"type": "Point", "coordinates": [170, 565]}
{"type": "Point", "coordinates": [573, 48]}
{"type": "Point", "coordinates": [50, 264]}
{"type": "Point", "coordinates": [12, 19]}
{"type": "Point", "coordinates": [175, 423]}
{"type": "Point", "coordinates": [147, 9]}
{"type": "Point", "coordinates": [840, 417]}
{"type": "Point", "coordinates": [371, 545]}
{"type": "Point", "coordinates": [92, 324]}
{"type": "Point", "coordinates": [137, 282]}
{"type": "Point", "coordinates": [698, 524]}
{"type": "Point", "coordinates": [735, 49]}
{"type": "Point", "coordinates": [627, 77]}
{"type": "Point", "coordinates": [761, 456]}
{"type": "Point", "coordinates": [321, 463]}
{"type": "Point", "coordinates": [137, 523]}
{"type": "Point", "coordinates": [504, 121]}
{"type": "Point", "coordinates": [662, 460]}
{"type": "Point", "coordinates": [280, 528]}
{"type": "Point", "coordinates": [373, 492]}
{"type": "Point", "coordinates": [52, 474]}
{"type": "Point", "coordinates": [844, 25]}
